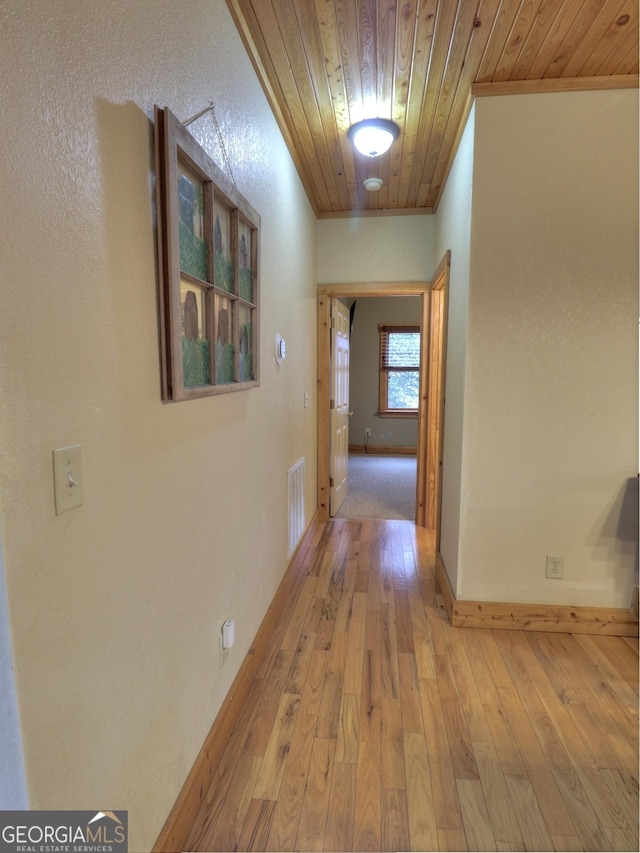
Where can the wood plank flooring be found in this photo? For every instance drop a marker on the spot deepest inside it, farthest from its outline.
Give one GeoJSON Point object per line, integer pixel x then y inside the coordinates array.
{"type": "Point", "coordinates": [375, 725]}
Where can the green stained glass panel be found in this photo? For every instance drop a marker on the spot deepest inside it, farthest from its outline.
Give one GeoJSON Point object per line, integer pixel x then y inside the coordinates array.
{"type": "Point", "coordinates": [245, 354]}
{"type": "Point", "coordinates": [245, 269]}
{"type": "Point", "coordinates": [223, 256]}
{"type": "Point", "coordinates": [195, 345]}
{"type": "Point", "coordinates": [193, 247]}
{"type": "Point", "coordinates": [225, 350]}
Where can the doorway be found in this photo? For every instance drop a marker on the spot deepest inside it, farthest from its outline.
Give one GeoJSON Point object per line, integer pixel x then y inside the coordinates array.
{"type": "Point", "coordinates": [328, 296]}
{"type": "Point", "coordinates": [384, 361]}
{"type": "Point", "coordinates": [430, 434]}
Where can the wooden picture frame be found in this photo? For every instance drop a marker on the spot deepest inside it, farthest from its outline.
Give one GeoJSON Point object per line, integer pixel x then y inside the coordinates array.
{"type": "Point", "coordinates": [208, 255]}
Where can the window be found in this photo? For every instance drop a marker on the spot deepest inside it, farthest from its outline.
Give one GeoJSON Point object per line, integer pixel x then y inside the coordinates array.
{"type": "Point", "coordinates": [399, 371]}
{"type": "Point", "coordinates": [208, 246]}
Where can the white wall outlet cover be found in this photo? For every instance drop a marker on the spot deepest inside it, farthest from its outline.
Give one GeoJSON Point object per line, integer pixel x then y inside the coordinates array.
{"type": "Point", "coordinates": [281, 349]}
{"type": "Point", "coordinates": [228, 634]}
{"type": "Point", "coordinates": [555, 567]}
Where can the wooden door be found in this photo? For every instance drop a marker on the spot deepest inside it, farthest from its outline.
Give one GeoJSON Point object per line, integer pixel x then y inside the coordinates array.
{"type": "Point", "coordinates": [436, 400]}
{"type": "Point", "coordinates": [339, 405]}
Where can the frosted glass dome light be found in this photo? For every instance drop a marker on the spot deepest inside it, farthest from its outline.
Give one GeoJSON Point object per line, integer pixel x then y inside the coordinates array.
{"type": "Point", "coordinates": [373, 136]}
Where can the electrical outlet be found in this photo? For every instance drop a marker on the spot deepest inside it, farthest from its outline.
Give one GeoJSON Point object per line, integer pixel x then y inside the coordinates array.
{"type": "Point", "coordinates": [555, 567]}
{"type": "Point", "coordinates": [367, 432]}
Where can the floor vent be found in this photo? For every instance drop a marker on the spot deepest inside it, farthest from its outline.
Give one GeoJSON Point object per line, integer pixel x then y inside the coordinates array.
{"type": "Point", "coordinates": [295, 504]}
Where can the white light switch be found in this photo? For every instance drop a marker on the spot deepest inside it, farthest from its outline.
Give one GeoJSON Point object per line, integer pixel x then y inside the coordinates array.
{"type": "Point", "coordinates": [67, 478]}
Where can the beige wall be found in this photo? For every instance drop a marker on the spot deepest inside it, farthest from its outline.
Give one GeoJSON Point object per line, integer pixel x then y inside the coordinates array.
{"type": "Point", "coordinates": [453, 233]}
{"type": "Point", "coordinates": [551, 406]}
{"type": "Point", "coordinates": [376, 248]}
{"type": "Point", "coordinates": [116, 607]}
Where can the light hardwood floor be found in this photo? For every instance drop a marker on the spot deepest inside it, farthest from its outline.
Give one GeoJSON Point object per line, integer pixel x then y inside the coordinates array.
{"type": "Point", "coordinates": [375, 725]}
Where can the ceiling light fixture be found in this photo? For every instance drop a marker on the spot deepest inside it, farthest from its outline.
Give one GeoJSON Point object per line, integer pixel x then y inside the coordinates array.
{"type": "Point", "coordinates": [373, 136]}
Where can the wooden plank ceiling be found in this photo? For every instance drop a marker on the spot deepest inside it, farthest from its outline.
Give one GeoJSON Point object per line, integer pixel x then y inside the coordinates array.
{"type": "Point", "coordinates": [326, 64]}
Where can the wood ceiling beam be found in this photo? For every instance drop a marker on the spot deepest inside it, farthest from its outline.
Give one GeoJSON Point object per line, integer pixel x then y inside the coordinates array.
{"type": "Point", "coordinates": [555, 84]}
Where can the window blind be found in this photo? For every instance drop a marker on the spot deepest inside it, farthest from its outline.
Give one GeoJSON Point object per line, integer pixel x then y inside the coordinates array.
{"type": "Point", "coordinates": [399, 347]}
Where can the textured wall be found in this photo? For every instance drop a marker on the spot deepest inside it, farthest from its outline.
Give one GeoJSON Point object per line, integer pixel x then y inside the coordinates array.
{"type": "Point", "coordinates": [115, 608]}
{"type": "Point", "coordinates": [551, 405]}
{"type": "Point", "coordinates": [384, 248]}
{"type": "Point", "coordinates": [453, 233]}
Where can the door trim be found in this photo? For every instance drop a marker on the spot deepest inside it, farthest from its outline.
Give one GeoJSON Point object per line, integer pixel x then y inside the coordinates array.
{"type": "Point", "coordinates": [431, 434]}
{"type": "Point", "coordinates": [327, 292]}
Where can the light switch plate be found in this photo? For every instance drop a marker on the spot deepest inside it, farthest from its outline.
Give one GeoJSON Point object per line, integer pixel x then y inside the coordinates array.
{"type": "Point", "coordinates": [67, 478]}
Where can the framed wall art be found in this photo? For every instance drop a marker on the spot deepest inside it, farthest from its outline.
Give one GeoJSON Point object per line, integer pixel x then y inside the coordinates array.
{"type": "Point", "coordinates": [208, 242]}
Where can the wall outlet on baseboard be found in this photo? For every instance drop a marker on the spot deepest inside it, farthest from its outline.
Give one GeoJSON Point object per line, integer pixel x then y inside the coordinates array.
{"type": "Point", "coordinates": [367, 432]}
{"type": "Point", "coordinates": [555, 567]}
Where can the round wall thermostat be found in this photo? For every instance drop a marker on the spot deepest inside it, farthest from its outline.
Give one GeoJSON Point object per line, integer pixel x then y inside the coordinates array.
{"type": "Point", "coordinates": [281, 349]}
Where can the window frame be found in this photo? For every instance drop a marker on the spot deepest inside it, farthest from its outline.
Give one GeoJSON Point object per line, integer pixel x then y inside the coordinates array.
{"type": "Point", "coordinates": [222, 329]}
{"type": "Point", "coordinates": [384, 410]}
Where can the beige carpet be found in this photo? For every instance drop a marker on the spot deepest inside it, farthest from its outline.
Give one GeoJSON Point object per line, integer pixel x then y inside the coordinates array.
{"type": "Point", "coordinates": [380, 487]}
